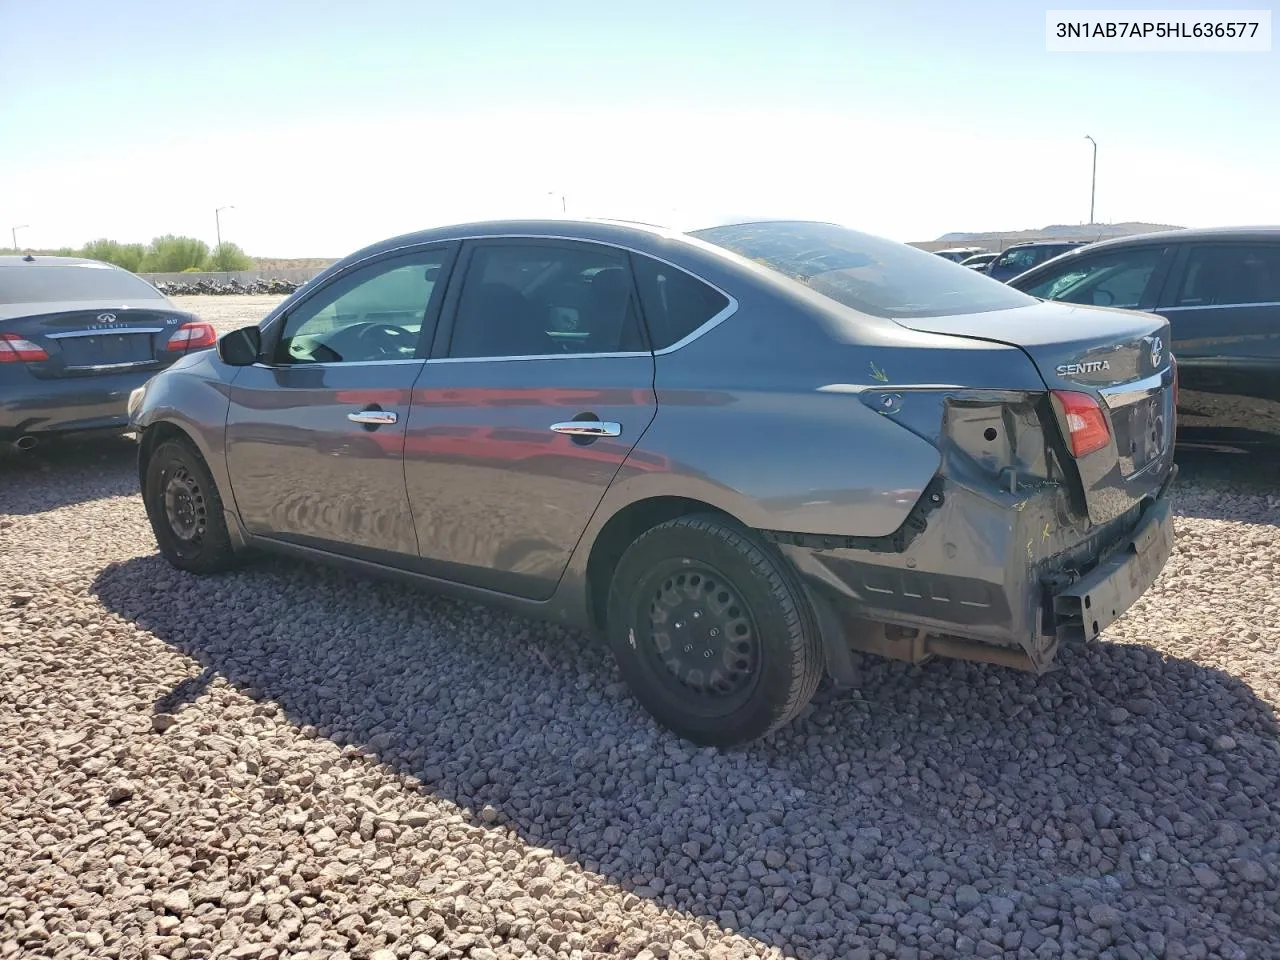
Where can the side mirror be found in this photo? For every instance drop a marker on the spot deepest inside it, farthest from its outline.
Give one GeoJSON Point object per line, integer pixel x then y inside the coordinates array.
{"type": "Point", "coordinates": [240, 348]}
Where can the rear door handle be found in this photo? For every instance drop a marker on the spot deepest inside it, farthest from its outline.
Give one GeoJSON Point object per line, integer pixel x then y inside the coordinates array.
{"type": "Point", "coordinates": [588, 428]}
{"type": "Point", "coordinates": [374, 417]}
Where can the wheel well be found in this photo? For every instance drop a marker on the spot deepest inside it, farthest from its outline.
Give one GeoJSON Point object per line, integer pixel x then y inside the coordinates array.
{"type": "Point", "coordinates": [621, 531]}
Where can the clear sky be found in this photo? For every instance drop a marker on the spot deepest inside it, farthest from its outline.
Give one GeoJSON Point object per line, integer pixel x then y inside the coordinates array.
{"type": "Point", "coordinates": [329, 125]}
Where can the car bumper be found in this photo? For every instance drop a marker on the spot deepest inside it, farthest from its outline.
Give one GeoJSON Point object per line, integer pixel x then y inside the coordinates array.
{"type": "Point", "coordinates": [1005, 582]}
{"type": "Point", "coordinates": [1095, 601]}
{"type": "Point", "coordinates": [70, 405]}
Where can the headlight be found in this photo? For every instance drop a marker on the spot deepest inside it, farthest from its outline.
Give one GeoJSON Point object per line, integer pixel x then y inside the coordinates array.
{"type": "Point", "coordinates": [135, 400]}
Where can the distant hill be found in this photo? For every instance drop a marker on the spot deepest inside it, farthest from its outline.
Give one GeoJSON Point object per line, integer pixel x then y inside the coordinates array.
{"type": "Point", "coordinates": [1000, 239]}
{"type": "Point", "coordinates": [1079, 231]}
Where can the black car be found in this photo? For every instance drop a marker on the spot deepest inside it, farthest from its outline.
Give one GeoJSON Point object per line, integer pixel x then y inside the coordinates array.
{"type": "Point", "coordinates": [1021, 257]}
{"type": "Point", "coordinates": [1220, 291]}
{"type": "Point", "coordinates": [76, 337]}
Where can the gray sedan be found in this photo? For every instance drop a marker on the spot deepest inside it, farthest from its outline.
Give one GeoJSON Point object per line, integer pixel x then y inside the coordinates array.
{"type": "Point", "coordinates": [740, 454]}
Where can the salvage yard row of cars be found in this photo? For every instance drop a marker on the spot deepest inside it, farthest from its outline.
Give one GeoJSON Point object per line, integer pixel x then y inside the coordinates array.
{"type": "Point", "coordinates": [739, 454]}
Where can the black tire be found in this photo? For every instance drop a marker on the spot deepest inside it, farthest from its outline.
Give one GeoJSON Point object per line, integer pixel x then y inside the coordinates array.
{"type": "Point", "coordinates": [185, 510]}
{"type": "Point", "coordinates": [703, 566]}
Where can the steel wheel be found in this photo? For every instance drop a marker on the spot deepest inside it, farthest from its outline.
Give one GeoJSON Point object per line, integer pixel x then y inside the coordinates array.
{"type": "Point", "coordinates": [185, 510]}
{"type": "Point", "coordinates": [184, 506]}
{"type": "Point", "coordinates": [701, 634]}
{"type": "Point", "coordinates": [712, 631]}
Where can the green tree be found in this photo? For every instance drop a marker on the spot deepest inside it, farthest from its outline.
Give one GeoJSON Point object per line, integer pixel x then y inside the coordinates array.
{"type": "Point", "coordinates": [127, 255]}
{"type": "Point", "coordinates": [227, 257]}
{"type": "Point", "coordinates": [170, 254]}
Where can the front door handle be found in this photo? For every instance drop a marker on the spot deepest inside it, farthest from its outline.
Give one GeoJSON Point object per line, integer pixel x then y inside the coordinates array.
{"type": "Point", "coordinates": [588, 428]}
{"type": "Point", "coordinates": [374, 417]}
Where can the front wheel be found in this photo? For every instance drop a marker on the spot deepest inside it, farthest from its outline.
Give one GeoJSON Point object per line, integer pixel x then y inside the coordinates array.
{"type": "Point", "coordinates": [185, 510]}
{"type": "Point", "coordinates": [712, 631]}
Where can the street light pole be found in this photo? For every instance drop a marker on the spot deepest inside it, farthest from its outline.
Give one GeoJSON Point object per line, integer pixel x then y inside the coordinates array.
{"type": "Point", "coordinates": [217, 219]}
{"type": "Point", "coordinates": [564, 206]}
{"type": "Point", "coordinates": [14, 232]}
{"type": "Point", "coordinates": [1093, 189]}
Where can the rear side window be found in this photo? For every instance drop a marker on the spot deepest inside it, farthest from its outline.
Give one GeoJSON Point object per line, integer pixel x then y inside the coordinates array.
{"type": "Point", "coordinates": [1228, 274]}
{"type": "Point", "coordinates": [674, 303]}
{"type": "Point", "coordinates": [34, 283]}
{"type": "Point", "coordinates": [1022, 259]}
{"type": "Point", "coordinates": [872, 275]}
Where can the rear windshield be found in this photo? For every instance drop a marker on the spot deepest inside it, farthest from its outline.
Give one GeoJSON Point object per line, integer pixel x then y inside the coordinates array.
{"type": "Point", "coordinates": [870, 274]}
{"type": "Point", "coordinates": [34, 283]}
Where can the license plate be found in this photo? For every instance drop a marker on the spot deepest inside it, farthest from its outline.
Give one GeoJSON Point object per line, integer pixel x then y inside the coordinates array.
{"type": "Point", "coordinates": [106, 350]}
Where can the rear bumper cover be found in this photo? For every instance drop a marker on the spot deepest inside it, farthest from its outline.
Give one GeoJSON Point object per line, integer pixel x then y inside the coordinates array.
{"type": "Point", "coordinates": [1019, 572]}
{"type": "Point", "coordinates": [1089, 605]}
{"type": "Point", "coordinates": [70, 405]}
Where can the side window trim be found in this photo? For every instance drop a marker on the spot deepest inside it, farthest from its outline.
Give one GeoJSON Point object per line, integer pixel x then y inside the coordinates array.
{"type": "Point", "coordinates": [274, 328]}
{"type": "Point", "coordinates": [445, 325]}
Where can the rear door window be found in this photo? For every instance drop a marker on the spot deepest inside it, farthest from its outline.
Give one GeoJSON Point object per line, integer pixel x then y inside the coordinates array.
{"type": "Point", "coordinates": [1230, 274]}
{"type": "Point", "coordinates": [545, 299]}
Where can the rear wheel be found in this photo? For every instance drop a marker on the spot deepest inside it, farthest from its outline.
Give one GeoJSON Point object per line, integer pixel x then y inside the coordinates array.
{"type": "Point", "coordinates": [185, 510]}
{"type": "Point", "coordinates": [712, 631]}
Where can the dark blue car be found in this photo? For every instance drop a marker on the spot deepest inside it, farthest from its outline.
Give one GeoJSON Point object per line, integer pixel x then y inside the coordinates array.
{"type": "Point", "coordinates": [76, 337]}
{"type": "Point", "coordinates": [1021, 257]}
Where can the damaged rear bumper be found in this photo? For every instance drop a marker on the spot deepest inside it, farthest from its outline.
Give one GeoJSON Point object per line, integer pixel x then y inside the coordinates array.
{"type": "Point", "coordinates": [1091, 604]}
{"type": "Point", "coordinates": [994, 576]}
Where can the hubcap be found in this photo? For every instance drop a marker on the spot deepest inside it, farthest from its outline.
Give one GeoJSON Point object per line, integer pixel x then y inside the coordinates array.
{"type": "Point", "coordinates": [702, 633]}
{"type": "Point", "coordinates": [184, 506]}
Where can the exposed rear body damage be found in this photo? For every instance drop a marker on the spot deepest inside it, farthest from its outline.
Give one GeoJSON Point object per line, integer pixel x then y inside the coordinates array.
{"type": "Point", "coordinates": [1017, 544]}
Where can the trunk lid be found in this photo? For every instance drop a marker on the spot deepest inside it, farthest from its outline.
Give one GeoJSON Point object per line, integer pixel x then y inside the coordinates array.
{"type": "Point", "coordinates": [1119, 358]}
{"type": "Point", "coordinates": [78, 339]}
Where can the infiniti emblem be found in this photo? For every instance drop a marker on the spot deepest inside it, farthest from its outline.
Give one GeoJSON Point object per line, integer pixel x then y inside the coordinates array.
{"type": "Point", "coordinates": [106, 318]}
{"type": "Point", "coordinates": [1157, 347]}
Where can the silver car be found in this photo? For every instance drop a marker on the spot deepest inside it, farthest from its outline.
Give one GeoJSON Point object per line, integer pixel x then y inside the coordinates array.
{"type": "Point", "coordinates": [740, 454]}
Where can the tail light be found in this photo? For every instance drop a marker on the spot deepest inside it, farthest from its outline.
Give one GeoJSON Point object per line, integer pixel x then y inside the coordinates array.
{"type": "Point", "coordinates": [192, 336]}
{"type": "Point", "coordinates": [1087, 429]}
{"type": "Point", "coordinates": [14, 349]}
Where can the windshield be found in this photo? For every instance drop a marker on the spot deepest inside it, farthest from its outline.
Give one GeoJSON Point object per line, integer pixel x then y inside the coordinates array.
{"type": "Point", "coordinates": [870, 274]}
{"type": "Point", "coordinates": [36, 283]}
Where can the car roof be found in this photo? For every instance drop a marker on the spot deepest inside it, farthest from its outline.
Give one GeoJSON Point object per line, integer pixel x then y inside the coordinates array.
{"type": "Point", "coordinates": [1191, 234]}
{"type": "Point", "coordinates": [618, 232]}
{"type": "Point", "coordinates": [1048, 243]}
{"type": "Point", "coordinates": [10, 260]}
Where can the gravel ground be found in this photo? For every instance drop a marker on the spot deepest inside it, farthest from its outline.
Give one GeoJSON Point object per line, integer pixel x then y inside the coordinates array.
{"type": "Point", "coordinates": [289, 762]}
{"type": "Point", "coordinates": [228, 312]}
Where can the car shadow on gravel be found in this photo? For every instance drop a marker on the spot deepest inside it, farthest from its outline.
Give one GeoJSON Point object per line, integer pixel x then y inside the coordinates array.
{"type": "Point", "coordinates": [949, 791]}
{"type": "Point", "coordinates": [1229, 485]}
{"type": "Point", "coordinates": [65, 472]}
